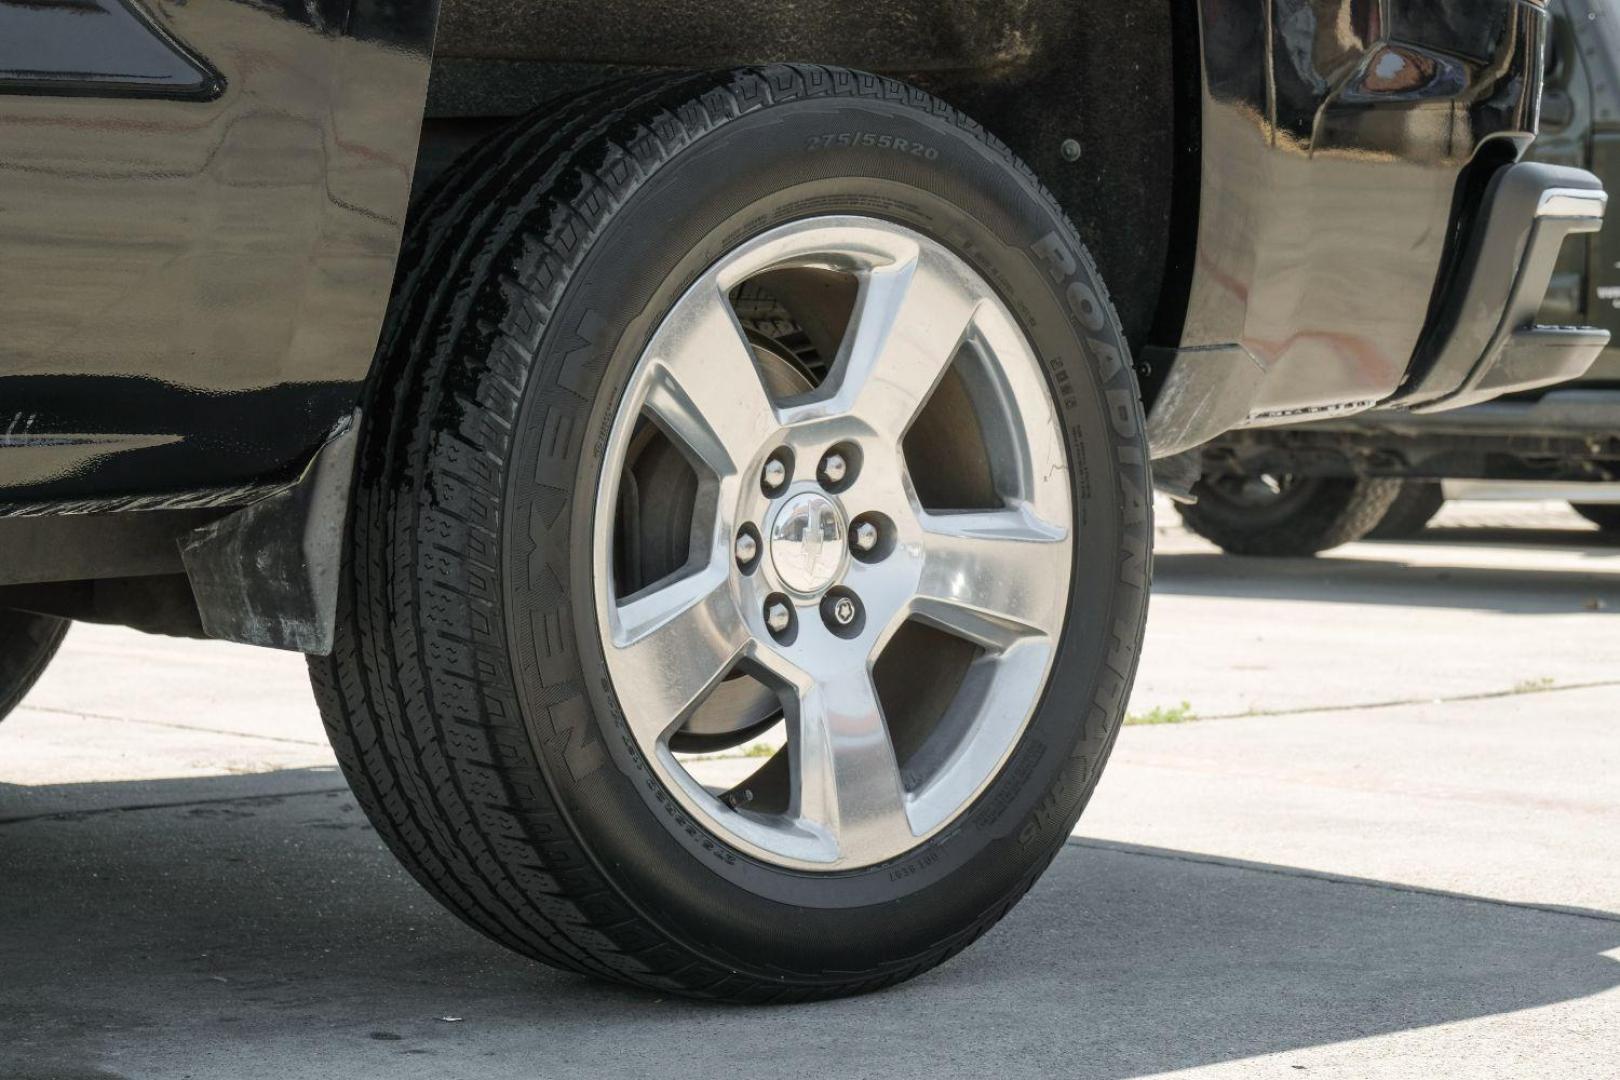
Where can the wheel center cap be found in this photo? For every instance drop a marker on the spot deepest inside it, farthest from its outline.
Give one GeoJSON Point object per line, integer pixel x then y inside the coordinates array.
{"type": "Point", "coordinates": [807, 542]}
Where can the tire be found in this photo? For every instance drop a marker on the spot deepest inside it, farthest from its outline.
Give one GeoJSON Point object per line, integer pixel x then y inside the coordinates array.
{"type": "Point", "coordinates": [472, 696]}
{"type": "Point", "coordinates": [1303, 517]}
{"type": "Point", "coordinates": [1414, 507]}
{"type": "Point", "coordinates": [1605, 516]}
{"type": "Point", "coordinates": [27, 643]}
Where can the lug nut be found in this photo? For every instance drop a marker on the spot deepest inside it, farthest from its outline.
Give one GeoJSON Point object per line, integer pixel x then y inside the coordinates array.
{"type": "Point", "coordinates": [777, 616]}
{"type": "Point", "coordinates": [775, 474]}
{"type": "Point", "coordinates": [865, 536]}
{"type": "Point", "coordinates": [834, 468]}
{"type": "Point", "coordinates": [745, 548]}
{"type": "Point", "coordinates": [844, 611]}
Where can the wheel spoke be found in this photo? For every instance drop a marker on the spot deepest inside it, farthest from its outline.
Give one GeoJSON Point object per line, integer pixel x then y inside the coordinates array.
{"type": "Point", "coordinates": [992, 576]}
{"type": "Point", "coordinates": [909, 322]}
{"type": "Point", "coordinates": [848, 782]}
{"type": "Point", "coordinates": [703, 387]}
{"type": "Point", "coordinates": [674, 644]}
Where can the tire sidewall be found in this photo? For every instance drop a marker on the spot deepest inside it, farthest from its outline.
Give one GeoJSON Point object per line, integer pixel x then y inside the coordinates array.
{"type": "Point", "coordinates": [751, 174]}
{"type": "Point", "coordinates": [27, 644]}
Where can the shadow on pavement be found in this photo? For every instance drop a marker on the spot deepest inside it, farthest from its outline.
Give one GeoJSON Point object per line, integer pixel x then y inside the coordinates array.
{"type": "Point", "coordinates": [1345, 579]}
{"type": "Point", "coordinates": [271, 935]}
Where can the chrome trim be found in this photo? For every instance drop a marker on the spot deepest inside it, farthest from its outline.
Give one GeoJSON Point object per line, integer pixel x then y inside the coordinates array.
{"type": "Point", "coordinates": [1573, 204]}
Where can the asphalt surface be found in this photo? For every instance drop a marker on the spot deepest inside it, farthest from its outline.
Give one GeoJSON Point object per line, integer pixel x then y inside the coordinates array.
{"type": "Point", "coordinates": [1386, 847]}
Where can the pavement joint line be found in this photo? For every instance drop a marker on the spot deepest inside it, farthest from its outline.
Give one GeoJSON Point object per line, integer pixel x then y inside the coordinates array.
{"type": "Point", "coordinates": [1228, 863]}
{"type": "Point", "coordinates": [1396, 703]}
{"type": "Point", "coordinates": [74, 815]}
{"type": "Point", "coordinates": [56, 711]}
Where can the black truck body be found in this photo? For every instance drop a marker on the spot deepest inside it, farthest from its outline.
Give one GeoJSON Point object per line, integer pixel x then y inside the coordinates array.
{"type": "Point", "coordinates": [1567, 432]}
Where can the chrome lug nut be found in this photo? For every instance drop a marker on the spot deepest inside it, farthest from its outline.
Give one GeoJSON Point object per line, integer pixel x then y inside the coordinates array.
{"type": "Point", "coordinates": [834, 468]}
{"type": "Point", "coordinates": [745, 549]}
{"type": "Point", "coordinates": [777, 616]}
{"type": "Point", "coordinates": [841, 611]}
{"type": "Point", "coordinates": [865, 536]}
{"type": "Point", "coordinates": [775, 474]}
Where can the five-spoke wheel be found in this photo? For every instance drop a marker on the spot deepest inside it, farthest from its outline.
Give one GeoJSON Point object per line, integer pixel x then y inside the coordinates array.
{"type": "Point", "coordinates": [811, 548]}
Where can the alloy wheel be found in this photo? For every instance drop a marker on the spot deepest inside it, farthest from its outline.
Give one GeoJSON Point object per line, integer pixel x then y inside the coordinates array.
{"type": "Point", "coordinates": [830, 570]}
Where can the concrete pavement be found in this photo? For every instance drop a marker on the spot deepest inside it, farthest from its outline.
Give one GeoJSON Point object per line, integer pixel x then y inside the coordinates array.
{"type": "Point", "coordinates": [1387, 850]}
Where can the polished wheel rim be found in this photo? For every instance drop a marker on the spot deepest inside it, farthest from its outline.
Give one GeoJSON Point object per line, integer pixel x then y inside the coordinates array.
{"type": "Point", "coordinates": [827, 572]}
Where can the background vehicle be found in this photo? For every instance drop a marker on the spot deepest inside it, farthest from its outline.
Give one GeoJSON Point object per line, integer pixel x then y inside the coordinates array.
{"type": "Point", "coordinates": [716, 396]}
{"type": "Point", "coordinates": [1302, 489]}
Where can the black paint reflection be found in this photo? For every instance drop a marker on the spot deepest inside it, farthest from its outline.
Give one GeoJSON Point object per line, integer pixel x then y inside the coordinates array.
{"type": "Point", "coordinates": [1333, 145]}
{"type": "Point", "coordinates": [228, 253]}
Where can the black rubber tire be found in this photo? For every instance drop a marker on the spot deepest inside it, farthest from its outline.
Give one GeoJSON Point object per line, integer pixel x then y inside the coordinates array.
{"type": "Point", "coordinates": [1605, 516]}
{"type": "Point", "coordinates": [27, 643]}
{"type": "Point", "coordinates": [1414, 507]}
{"type": "Point", "coordinates": [467, 698]}
{"type": "Point", "coordinates": [1312, 515]}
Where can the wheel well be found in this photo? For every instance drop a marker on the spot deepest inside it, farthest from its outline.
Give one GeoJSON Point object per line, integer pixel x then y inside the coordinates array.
{"type": "Point", "coordinates": [1119, 83]}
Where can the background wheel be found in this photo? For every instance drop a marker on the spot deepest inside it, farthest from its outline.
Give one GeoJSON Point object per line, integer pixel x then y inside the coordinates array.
{"type": "Point", "coordinates": [1414, 507]}
{"type": "Point", "coordinates": [1286, 515]}
{"type": "Point", "coordinates": [705, 417]}
{"type": "Point", "coordinates": [27, 643]}
{"type": "Point", "coordinates": [1605, 516]}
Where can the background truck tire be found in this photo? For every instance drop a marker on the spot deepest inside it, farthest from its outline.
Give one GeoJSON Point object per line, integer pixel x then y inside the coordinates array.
{"type": "Point", "coordinates": [1605, 516]}
{"type": "Point", "coordinates": [467, 697]}
{"type": "Point", "coordinates": [1412, 510]}
{"type": "Point", "coordinates": [27, 643]}
{"type": "Point", "coordinates": [1299, 517]}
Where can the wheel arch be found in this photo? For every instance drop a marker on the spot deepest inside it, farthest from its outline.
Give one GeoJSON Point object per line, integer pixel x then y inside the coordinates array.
{"type": "Point", "coordinates": [1119, 82]}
